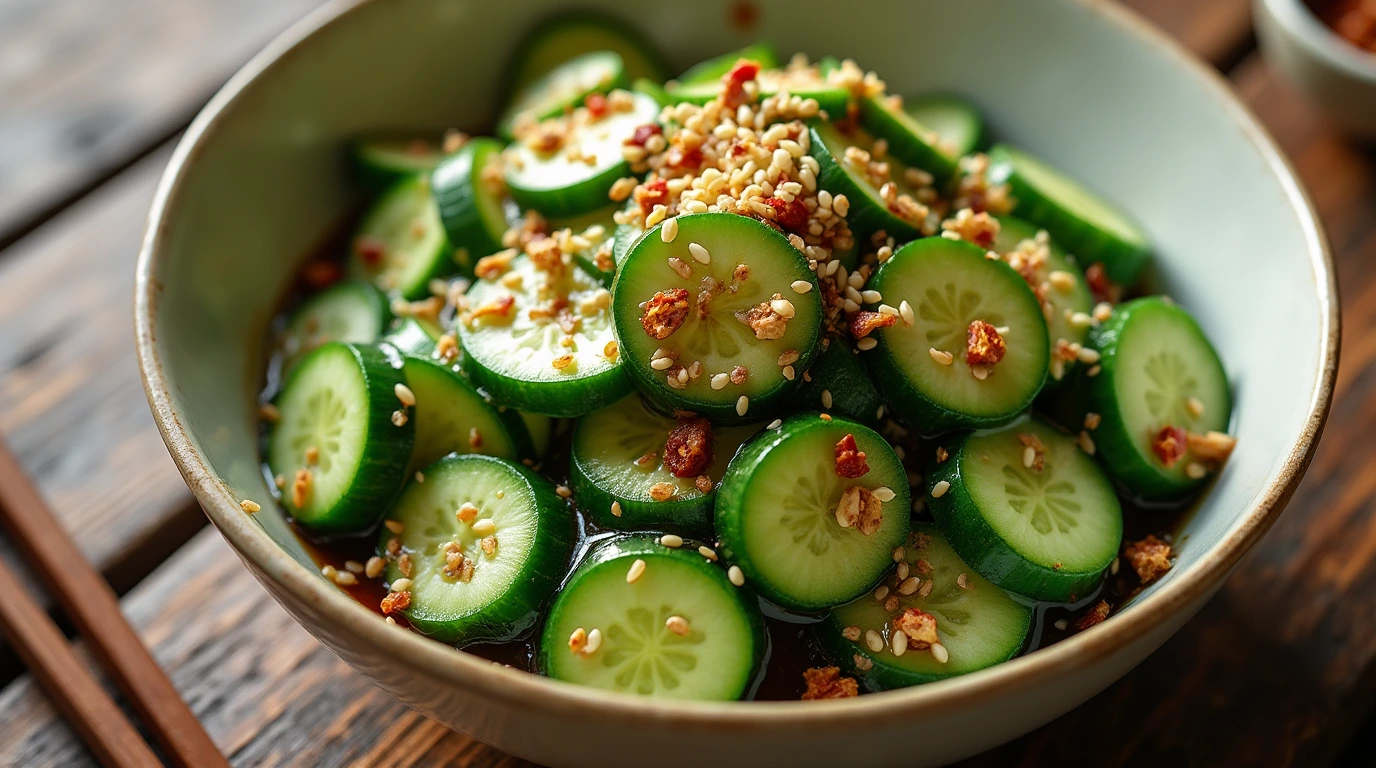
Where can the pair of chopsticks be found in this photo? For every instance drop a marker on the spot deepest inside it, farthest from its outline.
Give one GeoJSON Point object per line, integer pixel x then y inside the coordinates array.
{"type": "Point", "coordinates": [94, 609]}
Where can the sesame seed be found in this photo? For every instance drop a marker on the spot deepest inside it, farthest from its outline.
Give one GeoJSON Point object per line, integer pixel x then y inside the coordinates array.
{"type": "Point", "coordinates": [399, 418]}
{"type": "Point", "coordinates": [909, 585]}
{"type": "Point", "coordinates": [1061, 624]}
{"type": "Point", "coordinates": [328, 572]}
{"type": "Point", "coordinates": [874, 641]}
{"type": "Point", "coordinates": [1086, 442]}
{"type": "Point", "coordinates": [1092, 420]}
{"type": "Point", "coordinates": [578, 640]}
{"type": "Point", "coordinates": [419, 477]}
{"type": "Point", "coordinates": [466, 513]}
{"type": "Point", "coordinates": [391, 621]}
{"type": "Point", "coordinates": [902, 571]}
{"type": "Point", "coordinates": [1094, 371]}
{"type": "Point", "coordinates": [775, 424]}
{"type": "Point", "coordinates": [345, 579]}
{"type": "Point", "coordinates": [1103, 311]}
{"type": "Point", "coordinates": [269, 413]}
{"type": "Point", "coordinates": [353, 566]}
{"type": "Point", "coordinates": [1114, 566]}
{"type": "Point", "coordinates": [736, 576]}
{"type": "Point", "coordinates": [940, 489]}
{"type": "Point", "coordinates": [1088, 356]}
{"type": "Point", "coordinates": [782, 307]}
{"type": "Point", "coordinates": [883, 493]}
{"type": "Point", "coordinates": [840, 204]}
{"type": "Point", "coordinates": [801, 286]}
{"type": "Point", "coordinates": [700, 254]}
{"type": "Point", "coordinates": [881, 592]}
{"type": "Point", "coordinates": [678, 625]}
{"type": "Point", "coordinates": [616, 509]}
{"type": "Point", "coordinates": [669, 231]}
{"type": "Point", "coordinates": [1195, 471]}
{"type": "Point", "coordinates": [825, 416]}
{"type": "Point", "coordinates": [707, 552]}
{"type": "Point", "coordinates": [789, 358]}
{"type": "Point", "coordinates": [637, 570]}
{"type": "Point", "coordinates": [373, 568]}
{"type": "Point", "coordinates": [905, 310]}
{"type": "Point", "coordinates": [940, 653]}
{"type": "Point", "coordinates": [401, 585]}
{"type": "Point", "coordinates": [671, 540]}
{"type": "Point", "coordinates": [980, 372]}
{"type": "Point", "coordinates": [662, 363]}
{"type": "Point", "coordinates": [1195, 406]}
{"type": "Point", "coordinates": [484, 527]}
{"type": "Point", "coordinates": [940, 356]}
{"type": "Point", "coordinates": [563, 491]}
{"type": "Point", "coordinates": [885, 309]}
{"type": "Point", "coordinates": [1062, 281]}
{"type": "Point", "coordinates": [594, 642]}
{"type": "Point", "coordinates": [250, 506]}
{"type": "Point", "coordinates": [867, 343]}
{"type": "Point", "coordinates": [1029, 456]}
{"type": "Point", "coordinates": [1081, 320]}
{"type": "Point", "coordinates": [404, 394]}
{"type": "Point", "coordinates": [395, 526]}
{"type": "Point", "coordinates": [900, 643]}
{"type": "Point", "coordinates": [871, 296]}
{"type": "Point", "coordinates": [742, 405]}
{"type": "Point", "coordinates": [826, 398]}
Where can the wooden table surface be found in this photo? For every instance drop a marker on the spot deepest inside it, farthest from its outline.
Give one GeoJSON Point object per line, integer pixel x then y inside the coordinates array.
{"type": "Point", "coordinates": [1280, 669]}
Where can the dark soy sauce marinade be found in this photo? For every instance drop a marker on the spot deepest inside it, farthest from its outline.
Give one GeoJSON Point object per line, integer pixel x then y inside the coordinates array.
{"type": "Point", "coordinates": [793, 645]}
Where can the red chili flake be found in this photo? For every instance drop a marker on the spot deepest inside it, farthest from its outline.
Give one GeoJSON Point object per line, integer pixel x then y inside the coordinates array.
{"type": "Point", "coordinates": [919, 626]}
{"type": "Point", "coordinates": [664, 313]}
{"type": "Point", "coordinates": [596, 104]}
{"type": "Point", "coordinates": [370, 250]}
{"type": "Point", "coordinates": [1095, 615]}
{"type": "Point", "coordinates": [678, 157]}
{"type": "Point", "coordinates": [395, 602]}
{"type": "Point", "coordinates": [850, 460]}
{"type": "Point", "coordinates": [827, 683]}
{"type": "Point", "coordinates": [862, 323]}
{"type": "Point", "coordinates": [792, 216]}
{"type": "Point", "coordinates": [643, 133]}
{"type": "Point", "coordinates": [1169, 445]}
{"type": "Point", "coordinates": [1149, 557]}
{"type": "Point", "coordinates": [321, 274]}
{"type": "Point", "coordinates": [733, 95]}
{"type": "Point", "coordinates": [983, 344]}
{"type": "Point", "coordinates": [650, 194]}
{"type": "Point", "coordinates": [688, 450]}
{"type": "Point", "coordinates": [1099, 284]}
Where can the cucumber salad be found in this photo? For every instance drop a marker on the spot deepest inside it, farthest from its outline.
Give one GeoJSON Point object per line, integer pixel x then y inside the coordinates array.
{"type": "Point", "coordinates": [758, 382]}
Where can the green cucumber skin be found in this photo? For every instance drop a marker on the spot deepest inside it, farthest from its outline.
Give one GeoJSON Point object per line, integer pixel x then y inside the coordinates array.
{"type": "Point", "coordinates": [837, 369]}
{"type": "Point", "coordinates": [911, 149]}
{"type": "Point", "coordinates": [731, 492]}
{"type": "Point", "coordinates": [519, 608]}
{"type": "Point", "coordinates": [879, 678]}
{"type": "Point", "coordinates": [1114, 444]}
{"type": "Point", "coordinates": [565, 399]}
{"type": "Point", "coordinates": [652, 89]}
{"type": "Point", "coordinates": [414, 337]}
{"type": "Point", "coordinates": [381, 471]}
{"type": "Point", "coordinates": [862, 218]}
{"type": "Point", "coordinates": [952, 102]}
{"type": "Point", "coordinates": [455, 185]}
{"type": "Point", "coordinates": [633, 546]}
{"type": "Point", "coordinates": [583, 197]}
{"type": "Point", "coordinates": [510, 419]}
{"type": "Point", "coordinates": [375, 174]}
{"type": "Point", "coordinates": [507, 122]}
{"type": "Point", "coordinates": [689, 517]}
{"type": "Point", "coordinates": [928, 417]}
{"type": "Point", "coordinates": [985, 551]}
{"type": "Point", "coordinates": [761, 52]}
{"type": "Point", "coordinates": [639, 59]}
{"type": "Point", "coordinates": [442, 265]}
{"type": "Point", "coordinates": [1123, 261]}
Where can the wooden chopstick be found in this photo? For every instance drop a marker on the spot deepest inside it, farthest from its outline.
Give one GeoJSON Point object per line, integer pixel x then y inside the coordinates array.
{"type": "Point", "coordinates": [94, 609]}
{"type": "Point", "coordinates": [70, 686]}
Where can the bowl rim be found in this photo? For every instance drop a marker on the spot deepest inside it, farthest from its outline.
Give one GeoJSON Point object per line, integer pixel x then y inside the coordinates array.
{"type": "Point", "coordinates": [521, 689]}
{"type": "Point", "coordinates": [1320, 41]}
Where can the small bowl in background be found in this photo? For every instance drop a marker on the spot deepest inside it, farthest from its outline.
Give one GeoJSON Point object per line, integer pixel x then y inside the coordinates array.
{"type": "Point", "coordinates": [1337, 75]}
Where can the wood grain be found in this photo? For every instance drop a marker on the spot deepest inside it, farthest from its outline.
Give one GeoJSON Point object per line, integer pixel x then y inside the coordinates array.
{"type": "Point", "coordinates": [87, 86]}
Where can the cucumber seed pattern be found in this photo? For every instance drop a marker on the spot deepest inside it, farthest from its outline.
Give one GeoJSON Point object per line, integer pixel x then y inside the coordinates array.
{"type": "Point", "coordinates": [320, 427]}
{"type": "Point", "coordinates": [1045, 501]}
{"type": "Point", "coordinates": [949, 315]}
{"type": "Point", "coordinates": [808, 512]}
{"type": "Point", "coordinates": [648, 655]}
{"type": "Point", "coordinates": [1171, 386]}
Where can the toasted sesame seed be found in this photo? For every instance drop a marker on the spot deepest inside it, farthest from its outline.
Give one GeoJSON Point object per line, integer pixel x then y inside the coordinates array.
{"type": "Point", "coordinates": [1195, 471]}
{"type": "Point", "coordinates": [881, 592]}
{"type": "Point", "coordinates": [699, 254]}
{"type": "Point", "coordinates": [678, 625]}
{"type": "Point", "coordinates": [1086, 442]}
{"type": "Point", "coordinates": [1081, 320]}
{"type": "Point", "coordinates": [1092, 420]}
{"type": "Point", "coordinates": [742, 405]}
{"type": "Point", "coordinates": [783, 308]}
{"type": "Point", "coordinates": [1061, 624]}
{"type": "Point", "coordinates": [940, 653]}
{"type": "Point", "coordinates": [636, 571]}
{"type": "Point", "coordinates": [801, 286]}
{"type": "Point", "coordinates": [736, 576]}
{"type": "Point", "coordinates": [662, 363]}
{"type": "Point", "coordinates": [484, 527]}
{"type": "Point", "coordinates": [867, 343]}
{"type": "Point", "coordinates": [466, 513]}
{"type": "Point", "coordinates": [373, 568]}
{"type": "Point", "coordinates": [707, 552]}
{"type": "Point", "coordinates": [900, 643]}
{"type": "Point", "coordinates": [1195, 406]}
{"type": "Point", "coordinates": [395, 526]}
{"type": "Point", "coordinates": [851, 633]}
{"type": "Point", "coordinates": [902, 571]}
{"type": "Point", "coordinates": [1103, 311]}
{"type": "Point", "coordinates": [871, 296]}
{"type": "Point", "coordinates": [1094, 371]}
{"type": "Point", "coordinates": [874, 641]}
{"type": "Point", "coordinates": [669, 231]}
{"type": "Point", "coordinates": [825, 416]}
{"type": "Point", "coordinates": [884, 493]}
{"type": "Point", "coordinates": [1062, 281]}
{"type": "Point", "coordinates": [926, 589]}
{"type": "Point", "coordinates": [909, 585]}
{"type": "Point", "coordinates": [941, 356]}
{"type": "Point", "coordinates": [399, 418]}
{"type": "Point", "coordinates": [1088, 356]}
{"type": "Point", "coordinates": [391, 621]}
{"type": "Point", "coordinates": [940, 489]}
{"type": "Point", "coordinates": [671, 540]}
{"type": "Point", "coordinates": [578, 640]}
{"type": "Point", "coordinates": [250, 506]}
{"type": "Point", "coordinates": [616, 509]}
{"type": "Point", "coordinates": [345, 579]}
{"type": "Point", "coordinates": [401, 585]}
{"type": "Point", "coordinates": [328, 571]}
{"type": "Point", "coordinates": [269, 413]}
{"type": "Point", "coordinates": [563, 491]}
{"type": "Point", "coordinates": [840, 204]}
{"type": "Point", "coordinates": [594, 642]}
{"type": "Point", "coordinates": [826, 398]}
{"type": "Point", "coordinates": [788, 372]}
{"type": "Point", "coordinates": [789, 357]}
{"type": "Point", "coordinates": [885, 309]}
{"type": "Point", "coordinates": [353, 566]}
{"type": "Point", "coordinates": [1113, 567]}
{"type": "Point", "coordinates": [1029, 456]}
{"type": "Point", "coordinates": [775, 424]}
{"type": "Point", "coordinates": [404, 394]}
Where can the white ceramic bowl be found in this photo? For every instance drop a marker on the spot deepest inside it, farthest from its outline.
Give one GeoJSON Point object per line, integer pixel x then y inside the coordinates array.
{"type": "Point", "coordinates": [258, 179]}
{"type": "Point", "coordinates": [1339, 77]}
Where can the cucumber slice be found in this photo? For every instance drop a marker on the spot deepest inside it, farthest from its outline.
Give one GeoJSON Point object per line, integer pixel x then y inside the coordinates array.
{"type": "Point", "coordinates": [805, 83]}
{"type": "Point", "coordinates": [761, 52]}
{"type": "Point", "coordinates": [483, 597]}
{"type": "Point", "coordinates": [625, 236]}
{"type": "Point", "coordinates": [541, 429]}
{"type": "Point", "coordinates": [561, 89]}
{"type": "Point", "coordinates": [653, 89]}
{"type": "Point", "coordinates": [979, 625]}
{"type": "Point", "coordinates": [1063, 298]}
{"type": "Point", "coordinates": [709, 345]}
{"type": "Point", "coordinates": [953, 119]}
{"type": "Point", "coordinates": [868, 212]}
{"type": "Point", "coordinates": [337, 444]}
{"type": "Point", "coordinates": [512, 354]}
{"type": "Point", "coordinates": [1084, 223]}
{"type": "Point", "coordinates": [575, 178]}
{"type": "Point", "coordinates": [453, 417]}
{"type": "Point", "coordinates": [599, 229]}
{"type": "Point", "coordinates": [471, 195]}
{"type": "Point", "coordinates": [382, 160]}
{"type": "Point", "coordinates": [1045, 533]}
{"type": "Point", "coordinates": [401, 246]}
{"type": "Point", "coordinates": [351, 311]}
{"type": "Point", "coordinates": [609, 466]}
{"type": "Point", "coordinates": [1154, 359]}
{"type": "Point", "coordinates": [414, 336]}
{"type": "Point", "coordinates": [909, 139]}
{"type": "Point", "coordinates": [568, 35]}
{"type": "Point", "coordinates": [716, 657]}
{"type": "Point", "coordinates": [777, 513]}
{"type": "Point", "coordinates": [838, 384]}
{"type": "Point", "coordinates": [950, 285]}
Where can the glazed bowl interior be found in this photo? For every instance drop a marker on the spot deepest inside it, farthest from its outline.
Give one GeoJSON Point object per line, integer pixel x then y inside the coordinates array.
{"type": "Point", "coordinates": [259, 180]}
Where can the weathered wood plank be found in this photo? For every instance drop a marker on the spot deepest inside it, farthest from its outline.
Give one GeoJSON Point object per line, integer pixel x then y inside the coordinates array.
{"type": "Point", "coordinates": [88, 85]}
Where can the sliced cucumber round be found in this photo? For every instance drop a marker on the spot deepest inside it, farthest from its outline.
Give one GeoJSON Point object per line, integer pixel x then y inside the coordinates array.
{"type": "Point", "coordinates": [400, 245]}
{"type": "Point", "coordinates": [956, 122]}
{"type": "Point", "coordinates": [1064, 296]}
{"type": "Point", "coordinates": [568, 35]}
{"type": "Point", "coordinates": [1028, 509]}
{"type": "Point", "coordinates": [781, 507]}
{"type": "Point", "coordinates": [562, 88]}
{"type": "Point", "coordinates": [339, 443]}
{"type": "Point", "coordinates": [1091, 228]}
{"type": "Point", "coordinates": [761, 52]}
{"type": "Point", "coordinates": [470, 191]}
{"type": "Point", "coordinates": [382, 160]}
{"type": "Point", "coordinates": [715, 319]}
{"type": "Point", "coordinates": [488, 577]}
{"type": "Point", "coordinates": [837, 383]}
{"type": "Point", "coordinates": [452, 416]}
{"type": "Point", "coordinates": [599, 230]}
{"type": "Point", "coordinates": [1158, 371]}
{"type": "Point", "coordinates": [909, 139]}
{"type": "Point", "coordinates": [653, 89]}
{"type": "Point", "coordinates": [541, 429]}
{"type": "Point", "coordinates": [352, 311]}
{"type": "Point", "coordinates": [922, 370]}
{"type": "Point", "coordinates": [414, 336]}
{"type": "Point", "coordinates": [542, 341]}
{"type": "Point", "coordinates": [619, 459]}
{"type": "Point", "coordinates": [575, 177]}
{"type": "Point", "coordinates": [677, 629]}
{"type": "Point", "coordinates": [868, 212]}
{"type": "Point", "coordinates": [977, 624]}
{"type": "Point", "coordinates": [805, 83]}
